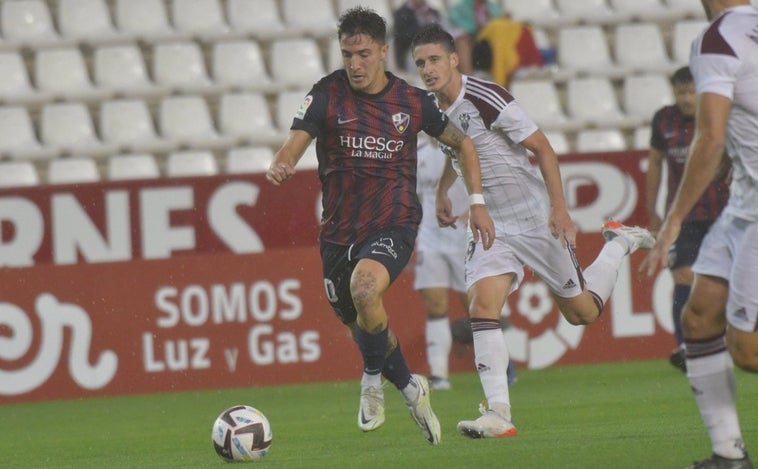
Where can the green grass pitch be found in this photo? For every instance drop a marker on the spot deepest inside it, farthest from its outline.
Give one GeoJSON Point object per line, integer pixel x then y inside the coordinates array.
{"type": "Point", "coordinates": [616, 415]}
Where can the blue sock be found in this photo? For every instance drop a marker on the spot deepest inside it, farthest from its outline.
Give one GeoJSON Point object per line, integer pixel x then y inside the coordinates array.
{"type": "Point", "coordinates": [372, 347]}
{"type": "Point", "coordinates": [681, 293]}
{"type": "Point", "coordinates": [396, 370]}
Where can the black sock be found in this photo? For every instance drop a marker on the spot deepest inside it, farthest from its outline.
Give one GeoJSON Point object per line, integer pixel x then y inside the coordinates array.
{"type": "Point", "coordinates": [396, 370]}
{"type": "Point", "coordinates": [372, 347]}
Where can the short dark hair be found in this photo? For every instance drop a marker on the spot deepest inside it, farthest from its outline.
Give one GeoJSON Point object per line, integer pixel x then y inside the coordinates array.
{"type": "Point", "coordinates": [361, 20]}
{"type": "Point", "coordinates": [683, 75]}
{"type": "Point", "coordinates": [434, 34]}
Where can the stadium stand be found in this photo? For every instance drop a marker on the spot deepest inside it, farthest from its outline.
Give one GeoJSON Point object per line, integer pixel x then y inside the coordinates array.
{"type": "Point", "coordinates": [132, 166]}
{"type": "Point", "coordinates": [600, 140]}
{"type": "Point", "coordinates": [191, 163]}
{"type": "Point", "coordinates": [92, 78]}
{"type": "Point", "coordinates": [72, 171]}
{"type": "Point", "coordinates": [248, 159]}
{"type": "Point", "coordinates": [18, 173]}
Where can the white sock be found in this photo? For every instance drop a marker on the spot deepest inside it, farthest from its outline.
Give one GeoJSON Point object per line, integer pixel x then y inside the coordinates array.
{"type": "Point", "coordinates": [371, 380]}
{"type": "Point", "coordinates": [410, 392]}
{"type": "Point", "coordinates": [601, 275]}
{"type": "Point", "coordinates": [491, 358]}
{"type": "Point", "coordinates": [712, 381]}
{"type": "Point", "coordinates": [439, 341]}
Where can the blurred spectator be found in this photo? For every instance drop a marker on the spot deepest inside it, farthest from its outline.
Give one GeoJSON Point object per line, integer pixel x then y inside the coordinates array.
{"type": "Point", "coordinates": [487, 39]}
{"type": "Point", "coordinates": [409, 19]}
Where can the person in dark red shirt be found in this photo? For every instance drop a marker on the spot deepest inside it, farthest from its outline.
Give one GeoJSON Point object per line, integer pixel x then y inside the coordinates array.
{"type": "Point", "coordinates": [365, 122]}
{"type": "Point", "coordinates": [672, 130]}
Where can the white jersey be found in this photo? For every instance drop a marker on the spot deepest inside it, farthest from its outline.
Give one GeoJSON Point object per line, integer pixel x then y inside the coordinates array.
{"type": "Point", "coordinates": [724, 61]}
{"type": "Point", "coordinates": [431, 237]}
{"type": "Point", "coordinates": [514, 190]}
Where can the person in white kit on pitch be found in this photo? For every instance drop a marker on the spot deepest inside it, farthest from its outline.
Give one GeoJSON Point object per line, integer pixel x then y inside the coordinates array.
{"type": "Point", "coordinates": [720, 319]}
{"type": "Point", "coordinates": [532, 224]}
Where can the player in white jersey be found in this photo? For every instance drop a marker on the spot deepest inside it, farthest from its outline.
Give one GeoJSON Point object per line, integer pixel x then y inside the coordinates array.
{"type": "Point", "coordinates": [532, 224]}
{"type": "Point", "coordinates": [439, 260]}
{"type": "Point", "coordinates": [720, 319]}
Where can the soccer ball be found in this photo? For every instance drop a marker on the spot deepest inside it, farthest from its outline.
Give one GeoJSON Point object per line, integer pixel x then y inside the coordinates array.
{"type": "Point", "coordinates": [241, 433]}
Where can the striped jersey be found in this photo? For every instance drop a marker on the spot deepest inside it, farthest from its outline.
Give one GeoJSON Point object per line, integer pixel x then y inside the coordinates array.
{"type": "Point", "coordinates": [723, 61]}
{"type": "Point", "coordinates": [672, 134]}
{"type": "Point", "coordinates": [366, 148]}
{"type": "Point", "coordinates": [514, 190]}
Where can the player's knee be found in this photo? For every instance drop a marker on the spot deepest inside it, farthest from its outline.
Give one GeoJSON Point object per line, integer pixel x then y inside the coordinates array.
{"type": "Point", "coordinates": [363, 289]}
{"type": "Point", "coordinates": [578, 318]}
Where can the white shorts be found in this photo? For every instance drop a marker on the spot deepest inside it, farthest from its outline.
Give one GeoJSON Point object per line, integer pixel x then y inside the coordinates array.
{"type": "Point", "coordinates": [545, 255]}
{"type": "Point", "coordinates": [730, 251]}
{"type": "Point", "coordinates": [435, 269]}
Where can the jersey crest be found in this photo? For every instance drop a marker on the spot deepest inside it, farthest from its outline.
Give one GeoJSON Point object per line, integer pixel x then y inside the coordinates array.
{"type": "Point", "coordinates": [401, 121]}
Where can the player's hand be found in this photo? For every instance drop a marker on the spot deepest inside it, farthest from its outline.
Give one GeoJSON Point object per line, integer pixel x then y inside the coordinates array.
{"type": "Point", "coordinates": [279, 172]}
{"type": "Point", "coordinates": [482, 225]}
{"type": "Point", "coordinates": [444, 211]}
{"type": "Point", "coordinates": [657, 257]}
{"type": "Point", "coordinates": [562, 227]}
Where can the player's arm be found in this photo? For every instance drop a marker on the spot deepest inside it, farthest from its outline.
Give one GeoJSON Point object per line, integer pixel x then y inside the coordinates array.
{"type": "Point", "coordinates": [561, 225]}
{"type": "Point", "coordinates": [283, 165]}
{"type": "Point", "coordinates": [444, 207]}
{"type": "Point", "coordinates": [479, 219]}
{"type": "Point", "coordinates": [702, 166]}
{"type": "Point", "coordinates": [652, 186]}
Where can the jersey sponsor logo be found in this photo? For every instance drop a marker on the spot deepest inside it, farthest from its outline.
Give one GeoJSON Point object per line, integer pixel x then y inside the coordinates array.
{"type": "Point", "coordinates": [401, 121]}
{"type": "Point", "coordinates": [381, 148]}
{"type": "Point", "coordinates": [341, 121]}
{"type": "Point", "coordinates": [300, 114]}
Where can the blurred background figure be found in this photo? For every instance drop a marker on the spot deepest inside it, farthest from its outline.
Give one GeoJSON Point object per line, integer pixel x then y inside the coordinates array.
{"type": "Point", "coordinates": [670, 138]}
{"type": "Point", "coordinates": [487, 39]}
{"type": "Point", "coordinates": [408, 20]}
{"type": "Point", "coordinates": [440, 253]}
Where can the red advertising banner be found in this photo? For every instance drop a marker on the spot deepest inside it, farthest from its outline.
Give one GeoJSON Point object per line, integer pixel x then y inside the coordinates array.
{"type": "Point", "coordinates": [179, 284]}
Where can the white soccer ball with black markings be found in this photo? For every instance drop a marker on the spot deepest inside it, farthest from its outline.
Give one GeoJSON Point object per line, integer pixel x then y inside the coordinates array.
{"type": "Point", "coordinates": [241, 433]}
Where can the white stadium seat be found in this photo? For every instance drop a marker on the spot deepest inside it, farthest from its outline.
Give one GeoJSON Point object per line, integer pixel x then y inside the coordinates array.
{"type": "Point", "coordinates": [239, 64]}
{"type": "Point", "coordinates": [257, 17]}
{"type": "Point", "coordinates": [536, 12]}
{"type": "Point", "coordinates": [584, 49]}
{"type": "Point", "coordinates": [121, 69]}
{"type": "Point", "coordinates": [17, 174]}
{"type": "Point", "coordinates": [687, 8]}
{"type": "Point", "coordinates": [144, 19]}
{"type": "Point", "coordinates": [287, 104]}
{"type": "Point", "coordinates": [181, 67]}
{"type": "Point", "coordinates": [200, 18]}
{"type": "Point", "coordinates": [191, 163]}
{"type": "Point", "coordinates": [15, 84]}
{"type": "Point", "coordinates": [641, 47]}
{"type": "Point", "coordinates": [68, 128]}
{"type": "Point", "coordinates": [132, 166]}
{"type": "Point", "coordinates": [86, 20]}
{"type": "Point", "coordinates": [186, 121]}
{"type": "Point", "coordinates": [246, 118]}
{"type": "Point", "coordinates": [249, 159]}
{"type": "Point", "coordinates": [28, 22]}
{"type": "Point", "coordinates": [72, 171]}
{"type": "Point", "coordinates": [63, 73]}
{"type": "Point", "coordinates": [589, 12]}
{"type": "Point", "coordinates": [296, 62]}
{"type": "Point", "coordinates": [600, 140]}
{"type": "Point", "coordinates": [541, 101]}
{"type": "Point", "coordinates": [642, 95]}
{"type": "Point", "coordinates": [314, 17]}
{"type": "Point", "coordinates": [644, 10]}
{"type": "Point", "coordinates": [682, 35]}
{"type": "Point", "coordinates": [594, 100]}
{"type": "Point", "coordinates": [641, 137]}
{"type": "Point", "coordinates": [558, 141]}
{"type": "Point", "coordinates": [128, 124]}
{"type": "Point", "coordinates": [18, 139]}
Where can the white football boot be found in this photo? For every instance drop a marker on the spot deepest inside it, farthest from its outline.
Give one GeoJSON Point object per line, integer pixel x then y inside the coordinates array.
{"type": "Point", "coordinates": [371, 411]}
{"type": "Point", "coordinates": [490, 425]}
{"type": "Point", "coordinates": [635, 237]}
{"type": "Point", "coordinates": [421, 411]}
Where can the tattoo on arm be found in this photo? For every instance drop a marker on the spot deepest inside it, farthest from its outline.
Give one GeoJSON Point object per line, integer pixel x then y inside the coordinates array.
{"type": "Point", "coordinates": [452, 136]}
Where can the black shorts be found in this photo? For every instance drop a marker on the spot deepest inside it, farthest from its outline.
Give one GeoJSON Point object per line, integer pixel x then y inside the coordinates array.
{"type": "Point", "coordinates": [391, 247]}
{"type": "Point", "coordinates": [684, 250]}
